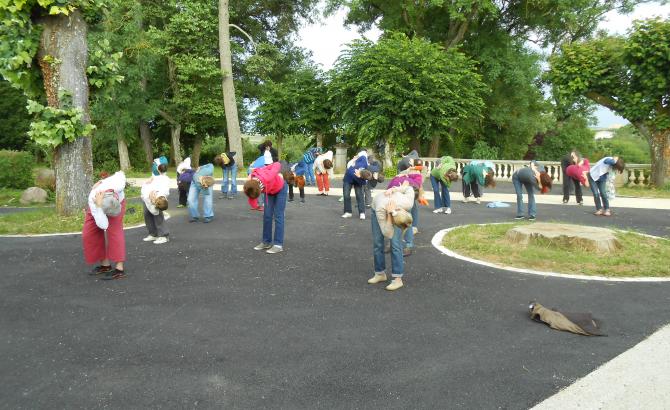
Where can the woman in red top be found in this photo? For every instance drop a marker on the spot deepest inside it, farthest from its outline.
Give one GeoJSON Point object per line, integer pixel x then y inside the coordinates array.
{"type": "Point", "coordinates": [269, 180]}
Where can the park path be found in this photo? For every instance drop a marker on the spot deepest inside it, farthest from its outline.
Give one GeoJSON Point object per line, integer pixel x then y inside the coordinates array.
{"type": "Point", "coordinates": [492, 195]}
{"type": "Point", "coordinates": [204, 321]}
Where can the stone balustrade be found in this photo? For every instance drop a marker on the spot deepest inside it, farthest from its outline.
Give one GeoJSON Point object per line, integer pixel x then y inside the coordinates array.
{"type": "Point", "coordinates": [635, 174]}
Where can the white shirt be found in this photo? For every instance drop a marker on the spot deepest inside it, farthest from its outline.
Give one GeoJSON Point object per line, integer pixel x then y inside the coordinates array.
{"type": "Point", "coordinates": [185, 164]}
{"type": "Point", "coordinates": [600, 168]}
{"type": "Point", "coordinates": [116, 183]}
{"type": "Point", "coordinates": [403, 196]}
{"type": "Point", "coordinates": [158, 183]}
{"type": "Point", "coordinates": [267, 156]}
{"type": "Point", "coordinates": [353, 160]}
{"type": "Point", "coordinates": [318, 162]}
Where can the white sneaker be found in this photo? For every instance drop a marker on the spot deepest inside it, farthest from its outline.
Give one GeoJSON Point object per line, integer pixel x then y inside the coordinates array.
{"type": "Point", "coordinates": [415, 230]}
{"type": "Point", "coordinates": [275, 249]}
{"type": "Point", "coordinates": [447, 211]}
{"type": "Point", "coordinates": [466, 199]}
{"type": "Point", "coordinates": [379, 277]}
{"type": "Point", "coordinates": [437, 211]}
{"type": "Point", "coordinates": [362, 216]}
{"type": "Point", "coordinates": [477, 200]}
{"type": "Point", "coordinates": [149, 238]}
{"type": "Point", "coordinates": [395, 284]}
{"type": "Point", "coordinates": [346, 215]}
{"type": "Point", "coordinates": [261, 246]}
{"type": "Point", "coordinates": [161, 239]}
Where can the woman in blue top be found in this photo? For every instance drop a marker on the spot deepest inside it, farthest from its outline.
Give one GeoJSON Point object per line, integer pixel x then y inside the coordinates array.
{"type": "Point", "coordinates": [533, 177]}
{"type": "Point", "coordinates": [598, 182]}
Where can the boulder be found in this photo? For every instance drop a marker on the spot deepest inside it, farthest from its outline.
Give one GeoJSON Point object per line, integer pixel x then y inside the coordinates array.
{"type": "Point", "coordinates": [33, 195]}
{"type": "Point", "coordinates": [569, 236]}
{"type": "Point", "coordinates": [46, 179]}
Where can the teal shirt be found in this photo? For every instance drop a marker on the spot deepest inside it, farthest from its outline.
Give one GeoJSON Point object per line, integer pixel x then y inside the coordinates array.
{"type": "Point", "coordinates": [474, 172]}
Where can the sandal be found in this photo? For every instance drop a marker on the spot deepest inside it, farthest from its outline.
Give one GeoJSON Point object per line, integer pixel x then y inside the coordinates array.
{"type": "Point", "coordinates": [114, 274]}
{"type": "Point", "coordinates": [99, 270]}
{"type": "Point", "coordinates": [607, 213]}
{"type": "Point", "coordinates": [599, 212]}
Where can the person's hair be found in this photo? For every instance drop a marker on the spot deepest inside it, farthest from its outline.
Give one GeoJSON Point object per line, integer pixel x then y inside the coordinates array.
{"type": "Point", "coordinates": [489, 182]}
{"type": "Point", "coordinates": [620, 165]}
{"type": "Point", "coordinates": [162, 168]}
{"type": "Point", "coordinates": [290, 178]}
{"type": "Point", "coordinates": [267, 144]}
{"type": "Point", "coordinates": [545, 181]}
{"type": "Point", "coordinates": [218, 160]}
{"type": "Point", "coordinates": [327, 164]}
{"type": "Point", "coordinates": [402, 219]}
{"type": "Point", "coordinates": [418, 162]}
{"type": "Point", "coordinates": [161, 203]}
{"type": "Point", "coordinates": [452, 174]}
{"type": "Point", "coordinates": [299, 181]}
{"type": "Point", "coordinates": [252, 189]}
{"type": "Point", "coordinates": [366, 174]}
{"type": "Point", "coordinates": [207, 181]}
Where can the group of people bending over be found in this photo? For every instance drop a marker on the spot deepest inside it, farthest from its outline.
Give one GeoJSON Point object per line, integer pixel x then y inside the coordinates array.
{"type": "Point", "coordinates": [269, 186]}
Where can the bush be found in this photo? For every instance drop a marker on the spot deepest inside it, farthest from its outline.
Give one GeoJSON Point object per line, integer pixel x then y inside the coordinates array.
{"type": "Point", "coordinates": [16, 169]}
{"type": "Point", "coordinates": [482, 150]}
{"type": "Point", "coordinates": [211, 147]}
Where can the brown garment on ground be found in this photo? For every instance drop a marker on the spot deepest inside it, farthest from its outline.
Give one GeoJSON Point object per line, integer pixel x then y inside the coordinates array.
{"type": "Point", "coordinates": [579, 323]}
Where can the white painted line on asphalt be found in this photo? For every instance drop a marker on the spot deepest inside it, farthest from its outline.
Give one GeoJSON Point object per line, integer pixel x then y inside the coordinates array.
{"type": "Point", "coordinates": [639, 378]}
{"type": "Point", "coordinates": [437, 243]}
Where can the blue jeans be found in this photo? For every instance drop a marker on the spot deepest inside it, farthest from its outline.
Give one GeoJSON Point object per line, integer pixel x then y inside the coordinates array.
{"type": "Point", "coordinates": [229, 179]}
{"type": "Point", "coordinates": [518, 187]}
{"type": "Point", "coordinates": [408, 238]}
{"type": "Point", "coordinates": [441, 193]}
{"type": "Point", "coordinates": [397, 263]}
{"type": "Point", "coordinates": [193, 194]}
{"type": "Point", "coordinates": [360, 197]}
{"type": "Point", "coordinates": [309, 175]}
{"type": "Point", "coordinates": [599, 190]}
{"type": "Point", "coordinates": [274, 209]}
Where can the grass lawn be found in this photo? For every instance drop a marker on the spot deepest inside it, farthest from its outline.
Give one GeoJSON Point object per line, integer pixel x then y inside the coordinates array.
{"type": "Point", "coordinates": [639, 256]}
{"type": "Point", "coordinates": [10, 197]}
{"type": "Point", "coordinates": [642, 192]}
{"type": "Point", "coordinates": [45, 220]}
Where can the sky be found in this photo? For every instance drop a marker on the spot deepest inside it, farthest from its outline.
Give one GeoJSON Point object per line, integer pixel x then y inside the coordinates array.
{"type": "Point", "coordinates": [327, 39]}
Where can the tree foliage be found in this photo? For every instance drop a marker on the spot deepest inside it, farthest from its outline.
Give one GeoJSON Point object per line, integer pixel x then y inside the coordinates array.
{"type": "Point", "coordinates": [629, 75]}
{"type": "Point", "coordinates": [404, 90]}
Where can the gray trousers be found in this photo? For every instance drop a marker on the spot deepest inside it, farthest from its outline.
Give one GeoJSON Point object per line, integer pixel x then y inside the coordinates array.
{"type": "Point", "coordinates": [155, 223]}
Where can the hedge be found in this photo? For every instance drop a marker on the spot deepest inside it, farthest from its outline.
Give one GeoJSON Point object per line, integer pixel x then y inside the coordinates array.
{"type": "Point", "coordinates": [16, 169]}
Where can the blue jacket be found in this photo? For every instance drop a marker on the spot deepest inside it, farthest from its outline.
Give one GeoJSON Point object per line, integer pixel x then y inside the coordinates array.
{"type": "Point", "coordinates": [300, 169]}
{"type": "Point", "coordinates": [350, 176]}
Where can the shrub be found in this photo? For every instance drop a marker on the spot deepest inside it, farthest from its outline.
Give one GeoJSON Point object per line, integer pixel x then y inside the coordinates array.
{"type": "Point", "coordinates": [211, 147]}
{"type": "Point", "coordinates": [482, 150]}
{"type": "Point", "coordinates": [16, 169]}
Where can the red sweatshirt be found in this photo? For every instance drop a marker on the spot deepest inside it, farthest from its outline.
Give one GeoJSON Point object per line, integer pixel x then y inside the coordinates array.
{"type": "Point", "coordinates": [270, 178]}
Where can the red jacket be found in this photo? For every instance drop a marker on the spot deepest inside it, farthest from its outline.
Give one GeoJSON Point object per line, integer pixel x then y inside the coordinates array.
{"type": "Point", "coordinates": [270, 178]}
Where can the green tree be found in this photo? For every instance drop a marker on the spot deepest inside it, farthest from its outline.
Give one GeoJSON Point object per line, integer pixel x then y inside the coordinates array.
{"type": "Point", "coordinates": [571, 133]}
{"type": "Point", "coordinates": [629, 75]}
{"type": "Point", "coordinates": [404, 90]}
{"type": "Point", "coordinates": [15, 119]}
{"type": "Point", "coordinates": [44, 51]}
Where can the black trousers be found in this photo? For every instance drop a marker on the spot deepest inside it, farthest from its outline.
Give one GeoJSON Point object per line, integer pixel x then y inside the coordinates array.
{"type": "Point", "coordinates": [567, 182]}
{"type": "Point", "coordinates": [471, 187]}
{"type": "Point", "coordinates": [290, 192]}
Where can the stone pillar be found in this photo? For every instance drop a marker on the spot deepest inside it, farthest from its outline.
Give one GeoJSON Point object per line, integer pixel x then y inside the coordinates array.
{"type": "Point", "coordinates": [340, 158]}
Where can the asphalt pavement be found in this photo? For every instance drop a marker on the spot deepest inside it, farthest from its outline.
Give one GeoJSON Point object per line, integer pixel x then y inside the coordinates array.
{"type": "Point", "coordinates": [205, 321]}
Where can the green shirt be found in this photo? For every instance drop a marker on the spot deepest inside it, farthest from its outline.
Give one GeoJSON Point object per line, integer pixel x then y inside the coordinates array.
{"type": "Point", "coordinates": [440, 171]}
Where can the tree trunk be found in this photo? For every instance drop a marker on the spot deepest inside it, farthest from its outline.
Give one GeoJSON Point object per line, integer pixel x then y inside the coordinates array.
{"type": "Point", "coordinates": [434, 150]}
{"type": "Point", "coordinates": [229, 101]}
{"type": "Point", "coordinates": [415, 144]}
{"type": "Point", "coordinates": [195, 154]}
{"type": "Point", "coordinates": [659, 143]}
{"type": "Point", "coordinates": [64, 39]}
{"type": "Point", "coordinates": [388, 155]}
{"type": "Point", "coordinates": [319, 140]}
{"type": "Point", "coordinates": [124, 159]}
{"type": "Point", "coordinates": [280, 143]}
{"type": "Point", "coordinates": [145, 136]}
{"type": "Point", "coordinates": [175, 135]}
